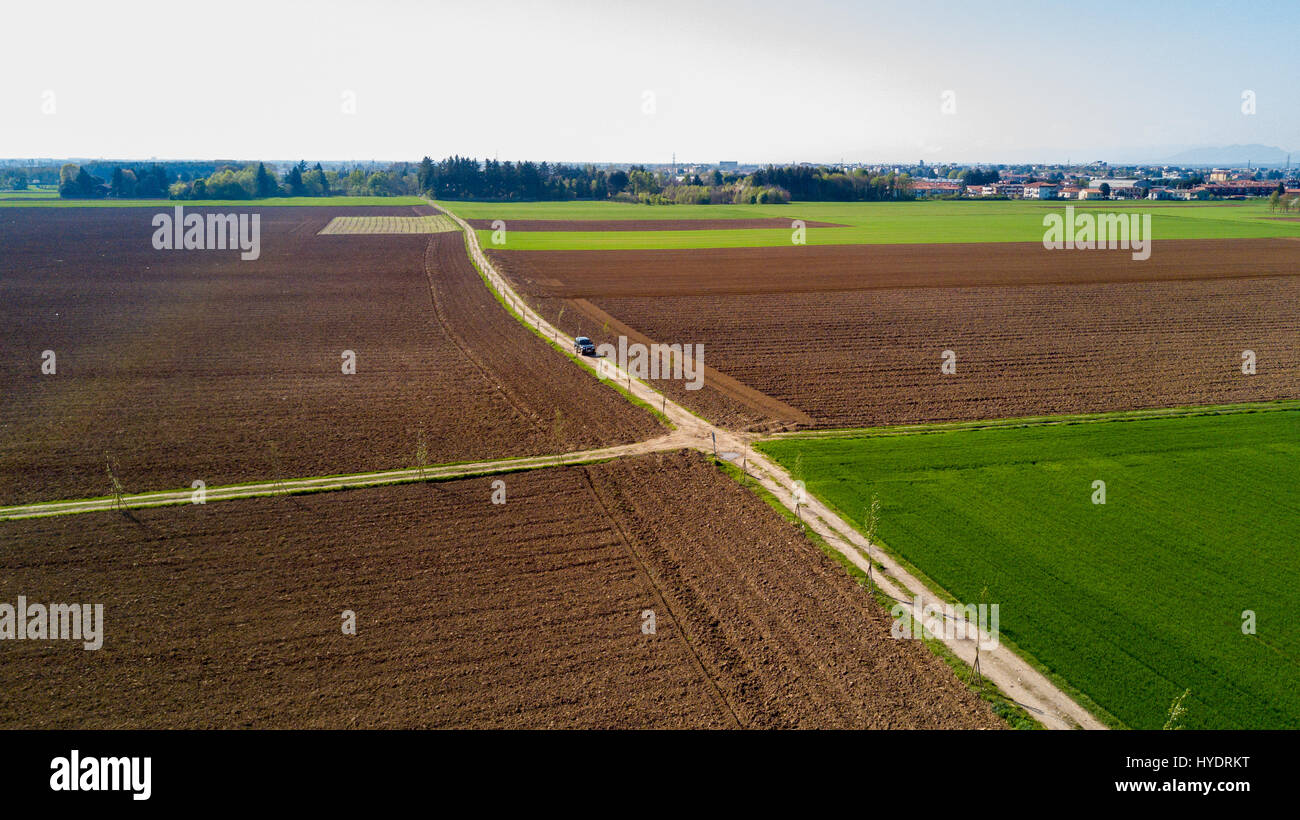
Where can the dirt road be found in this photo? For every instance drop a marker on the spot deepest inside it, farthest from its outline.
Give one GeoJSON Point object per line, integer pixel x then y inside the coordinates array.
{"type": "Point", "coordinates": [1010, 673]}
{"type": "Point", "coordinates": [298, 486]}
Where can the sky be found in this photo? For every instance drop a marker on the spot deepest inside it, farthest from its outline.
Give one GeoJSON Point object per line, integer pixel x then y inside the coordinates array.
{"type": "Point", "coordinates": [754, 82]}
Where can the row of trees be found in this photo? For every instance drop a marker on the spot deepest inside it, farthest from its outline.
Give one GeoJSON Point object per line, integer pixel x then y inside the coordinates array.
{"type": "Point", "coordinates": [252, 181]}
{"type": "Point", "coordinates": [467, 178]}
{"type": "Point", "coordinates": [13, 179]}
{"type": "Point", "coordinates": [459, 177]}
{"type": "Point", "coordinates": [1279, 200]}
{"type": "Point", "coordinates": [805, 182]}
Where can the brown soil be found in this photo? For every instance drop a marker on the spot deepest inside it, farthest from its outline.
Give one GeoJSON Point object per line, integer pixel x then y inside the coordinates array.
{"type": "Point", "coordinates": [869, 355]}
{"type": "Point", "coordinates": [645, 224]}
{"type": "Point", "coordinates": [873, 357]}
{"type": "Point", "coordinates": [194, 365]}
{"type": "Point", "coordinates": [723, 399]}
{"type": "Point", "coordinates": [796, 269]}
{"type": "Point", "coordinates": [469, 614]}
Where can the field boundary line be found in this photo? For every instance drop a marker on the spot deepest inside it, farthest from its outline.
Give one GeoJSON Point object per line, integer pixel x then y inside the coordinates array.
{"type": "Point", "coordinates": [1151, 414]}
{"type": "Point", "coordinates": [1016, 677]}
{"type": "Point", "coordinates": [732, 388]}
{"type": "Point", "coordinates": [1018, 680]}
{"type": "Point", "coordinates": [349, 481]}
{"type": "Point", "coordinates": [488, 375]}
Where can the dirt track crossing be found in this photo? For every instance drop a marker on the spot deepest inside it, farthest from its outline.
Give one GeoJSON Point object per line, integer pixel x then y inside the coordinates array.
{"type": "Point", "coordinates": [770, 643]}
{"type": "Point", "coordinates": [299, 486]}
{"type": "Point", "coordinates": [1015, 677]}
{"type": "Point", "coordinates": [194, 365]}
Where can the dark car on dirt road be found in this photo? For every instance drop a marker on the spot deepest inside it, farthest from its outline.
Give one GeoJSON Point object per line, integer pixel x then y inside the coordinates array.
{"type": "Point", "coordinates": [584, 346]}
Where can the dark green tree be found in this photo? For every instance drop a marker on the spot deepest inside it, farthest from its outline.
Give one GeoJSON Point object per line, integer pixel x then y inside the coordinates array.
{"type": "Point", "coordinates": [265, 182]}
{"type": "Point", "coordinates": [427, 177]}
{"type": "Point", "coordinates": [293, 181]}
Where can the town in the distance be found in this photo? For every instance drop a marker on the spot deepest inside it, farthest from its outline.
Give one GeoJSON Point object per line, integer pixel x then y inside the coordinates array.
{"type": "Point", "coordinates": [694, 183]}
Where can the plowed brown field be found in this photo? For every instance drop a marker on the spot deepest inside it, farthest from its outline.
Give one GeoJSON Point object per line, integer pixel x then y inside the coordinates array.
{"type": "Point", "coordinates": [469, 614]}
{"type": "Point", "coordinates": [798, 269]}
{"type": "Point", "coordinates": [644, 224]}
{"type": "Point", "coordinates": [1035, 331]}
{"type": "Point", "coordinates": [195, 365]}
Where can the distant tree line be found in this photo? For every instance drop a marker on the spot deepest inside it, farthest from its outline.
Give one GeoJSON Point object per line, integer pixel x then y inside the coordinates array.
{"type": "Point", "coordinates": [255, 181]}
{"type": "Point", "coordinates": [828, 184]}
{"type": "Point", "coordinates": [467, 178]}
{"type": "Point", "coordinates": [1281, 200]}
{"type": "Point", "coordinates": [141, 182]}
{"type": "Point", "coordinates": [251, 181]}
{"type": "Point", "coordinates": [459, 177]}
{"type": "Point", "coordinates": [13, 179]}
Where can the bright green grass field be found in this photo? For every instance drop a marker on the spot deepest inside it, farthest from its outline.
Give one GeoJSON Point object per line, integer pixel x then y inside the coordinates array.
{"type": "Point", "coordinates": [28, 195]}
{"type": "Point", "coordinates": [869, 222]}
{"type": "Point", "coordinates": [297, 201]}
{"type": "Point", "coordinates": [1130, 602]}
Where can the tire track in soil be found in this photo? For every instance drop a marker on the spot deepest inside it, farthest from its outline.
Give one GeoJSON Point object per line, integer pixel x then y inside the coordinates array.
{"type": "Point", "coordinates": [765, 404]}
{"type": "Point", "coordinates": [902, 677]}
{"type": "Point", "coordinates": [793, 640]}
{"type": "Point", "coordinates": [627, 542]}
{"type": "Point", "coordinates": [434, 250]}
{"type": "Point", "coordinates": [777, 630]}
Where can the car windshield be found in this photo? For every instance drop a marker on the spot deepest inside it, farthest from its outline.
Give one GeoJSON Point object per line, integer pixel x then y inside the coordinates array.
{"type": "Point", "coordinates": [583, 340]}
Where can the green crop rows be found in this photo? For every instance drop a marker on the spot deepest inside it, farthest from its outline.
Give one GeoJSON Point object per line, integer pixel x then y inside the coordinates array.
{"type": "Point", "coordinates": [1130, 602]}
{"type": "Point", "coordinates": [867, 222]}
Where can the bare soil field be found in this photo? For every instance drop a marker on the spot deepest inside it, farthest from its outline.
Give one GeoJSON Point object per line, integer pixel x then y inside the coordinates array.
{"type": "Point", "coordinates": [722, 399]}
{"type": "Point", "coordinates": [869, 355]}
{"type": "Point", "coordinates": [644, 224]}
{"type": "Point", "coordinates": [872, 357]}
{"type": "Point", "coordinates": [808, 268]}
{"type": "Point", "coordinates": [195, 365]}
{"type": "Point", "coordinates": [469, 614]}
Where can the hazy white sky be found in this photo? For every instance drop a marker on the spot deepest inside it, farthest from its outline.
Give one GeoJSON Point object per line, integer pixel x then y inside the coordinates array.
{"type": "Point", "coordinates": [754, 82]}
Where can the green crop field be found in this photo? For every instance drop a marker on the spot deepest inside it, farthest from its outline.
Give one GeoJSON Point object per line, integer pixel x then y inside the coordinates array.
{"type": "Point", "coordinates": [297, 201]}
{"type": "Point", "coordinates": [29, 194]}
{"type": "Point", "coordinates": [1129, 602]}
{"type": "Point", "coordinates": [868, 222]}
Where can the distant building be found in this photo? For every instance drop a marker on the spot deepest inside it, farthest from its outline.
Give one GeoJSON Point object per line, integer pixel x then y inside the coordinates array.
{"type": "Point", "coordinates": [1115, 184]}
{"type": "Point", "coordinates": [1040, 190]}
{"type": "Point", "coordinates": [937, 187]}
{"type": "Point", "coordinates": [729, 164]}
{"type": "Point", "coordinates": [1090, 193]}
{"type": "Point", "coordinates": [1242, 187]}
